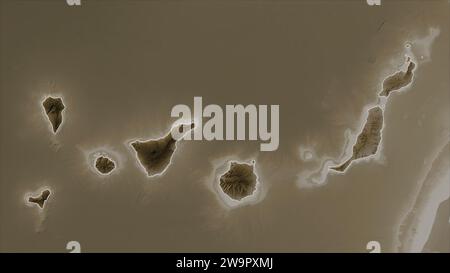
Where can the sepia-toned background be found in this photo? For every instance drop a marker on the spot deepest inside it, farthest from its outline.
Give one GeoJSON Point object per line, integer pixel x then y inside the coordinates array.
{"type": "Point", "coordinates": [120, 67]}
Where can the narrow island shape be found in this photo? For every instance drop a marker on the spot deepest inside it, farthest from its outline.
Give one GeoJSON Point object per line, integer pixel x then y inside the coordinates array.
{"type": "Point", "coordinates": [239, 181]}
{"type": "Point", "coordinates": [399, 79]}
{"type": "Point", "coordinates": [41, 199]}
{"type": "Point", "coordinates": [368, 140]}
{"type": "Point", "coordinates": [104, 165]}
{"type": "Point", "coordinates": [155, 155]}
{"type": "Point", "coordinates": [53, 108]}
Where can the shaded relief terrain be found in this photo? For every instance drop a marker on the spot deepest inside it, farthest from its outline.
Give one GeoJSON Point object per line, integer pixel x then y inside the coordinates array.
{"type": "Point", "coordinates": [398, 80]}
{"type": "Point", "coordinates": [104, 165]}
{"type": "Point", "coordinates": [155, 155]}
{"type": "Point", "coordinates": [53, 108]}
{"type": "Point", "coordinates": [368, 140]}
{"type": "Point", "coordinates": [40, 200]}
{"type": "Point", "coordinates": [239, 181]}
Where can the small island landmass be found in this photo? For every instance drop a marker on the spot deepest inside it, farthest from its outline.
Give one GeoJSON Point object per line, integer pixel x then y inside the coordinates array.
{"type": "Point", "coordinates": [368, 140]}
{"type": "Point", "coordinates": [398, 80]}
{"type": "Point", "coordinates": [239, 181]}
{"type": "Point", "coordinates": [104, 165]}
{"type": "Point", "coordinates": [53, 108]}
{"type": "Point", "coordinates": [155, 155]}
{"type": "Point", "coordinates": [41, 199]}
